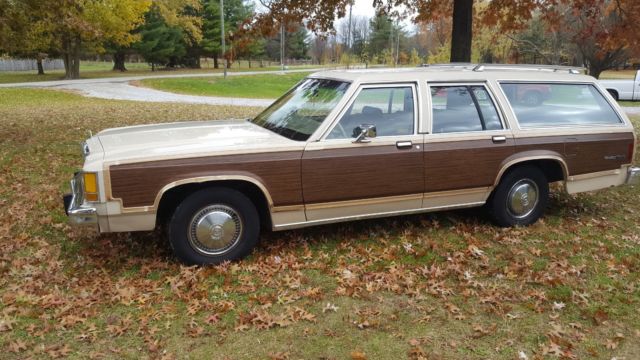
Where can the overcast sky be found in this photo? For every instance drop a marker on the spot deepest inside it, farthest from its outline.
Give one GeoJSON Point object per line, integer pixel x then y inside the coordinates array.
{"type": "Point", "coordinates": [364, 7]}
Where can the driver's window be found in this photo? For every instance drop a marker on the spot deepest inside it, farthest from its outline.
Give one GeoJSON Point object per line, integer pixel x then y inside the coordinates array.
{"type": "Point", "coordinates": [390, 109]}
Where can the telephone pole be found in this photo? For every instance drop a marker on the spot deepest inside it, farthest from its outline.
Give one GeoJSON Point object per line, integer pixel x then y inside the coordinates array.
{"type": "Point", "coordinates": [282, 45]}
{"type": "Point", "coordinates": [349, 29]}
{"type": "Point", "coordinates": [224, 47]}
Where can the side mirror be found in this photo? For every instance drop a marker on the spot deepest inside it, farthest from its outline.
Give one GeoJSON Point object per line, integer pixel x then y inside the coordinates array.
{"type": "Point", "coordinates": [364, 133]}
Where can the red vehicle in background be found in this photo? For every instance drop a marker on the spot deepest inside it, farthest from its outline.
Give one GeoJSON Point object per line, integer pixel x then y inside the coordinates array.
{"type": "Point", "coordinates": [529, 94]}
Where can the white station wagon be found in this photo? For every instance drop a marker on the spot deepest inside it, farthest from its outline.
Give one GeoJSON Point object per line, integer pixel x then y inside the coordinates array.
{"type": "Point", "coordinates": [347, 145]}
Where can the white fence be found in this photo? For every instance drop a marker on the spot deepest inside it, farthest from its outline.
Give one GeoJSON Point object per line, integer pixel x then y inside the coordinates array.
{"type": "Point", "coordinates": [28, 64]}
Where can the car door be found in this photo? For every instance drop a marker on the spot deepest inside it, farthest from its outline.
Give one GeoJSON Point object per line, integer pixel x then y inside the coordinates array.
{"type": "Point", "coordinates": [345, 178]}
{"type": "Point", "coordinates": [467, 144]}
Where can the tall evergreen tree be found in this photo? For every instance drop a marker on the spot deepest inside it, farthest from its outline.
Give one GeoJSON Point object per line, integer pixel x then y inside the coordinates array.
{"type": "Point", "coordinates": [382, 30]}
{"type": "Point", "coordinates": [236, 13]}
{"type": "Point", "coordinates": [159, 44]}
{"type": "Point", "coordinates": [297, 44]}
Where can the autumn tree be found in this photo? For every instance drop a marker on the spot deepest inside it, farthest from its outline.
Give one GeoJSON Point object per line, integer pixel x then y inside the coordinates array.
{"type": "Point", "coordinates": [90, 24]}
{"type": "Point", "coordinates": [320, 15]}
{"type": "Point", "coordinates": [69, 28]}
{"type": "Point", "coordinates": [25, 30]}
{"type": "Point", "coordinates": [603, 32]}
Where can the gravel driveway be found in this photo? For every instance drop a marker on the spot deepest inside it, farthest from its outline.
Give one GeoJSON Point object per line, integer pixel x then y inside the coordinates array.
{"type": "Point", "coordinates": [126, 91]}
{"type": "Point", "coordinates": [119, 88]}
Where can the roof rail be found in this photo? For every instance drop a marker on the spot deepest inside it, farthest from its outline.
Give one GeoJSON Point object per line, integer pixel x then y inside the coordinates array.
{"type": "Point", "coordinates": [515, 67]}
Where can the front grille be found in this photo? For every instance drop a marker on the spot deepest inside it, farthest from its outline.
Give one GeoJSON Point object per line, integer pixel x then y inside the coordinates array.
{"type": "Point", "coordinates": [77, 188]}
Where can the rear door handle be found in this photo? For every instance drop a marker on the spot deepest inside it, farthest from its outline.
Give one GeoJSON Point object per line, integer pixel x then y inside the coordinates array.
{"type": "Point", "coordinates": [499, 139]}
{"type": "Point", "coordinates": [404, 144]}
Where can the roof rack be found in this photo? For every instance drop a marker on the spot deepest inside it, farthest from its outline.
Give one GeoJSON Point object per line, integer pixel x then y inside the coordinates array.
{"type": "Point", "coordinates": [516, 67]}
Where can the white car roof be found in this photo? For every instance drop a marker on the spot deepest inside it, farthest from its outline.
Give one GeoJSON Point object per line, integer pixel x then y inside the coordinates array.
{"type": "Point", "coordinates": [458, 73]}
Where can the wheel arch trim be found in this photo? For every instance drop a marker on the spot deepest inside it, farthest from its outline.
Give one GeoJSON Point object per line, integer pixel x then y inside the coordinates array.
{"type": "Point", "coordinates": [199, 180]}
{"type": "Point", "coordinates": [519, 158]}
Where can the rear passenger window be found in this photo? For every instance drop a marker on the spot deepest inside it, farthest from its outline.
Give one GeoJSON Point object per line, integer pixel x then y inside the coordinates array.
{"type": "Point", "coordinates": [463, 109]}
{"type": "Point", "coordinates": [390, 109]}
{"type": "Point", "coordinates": [548, 105]}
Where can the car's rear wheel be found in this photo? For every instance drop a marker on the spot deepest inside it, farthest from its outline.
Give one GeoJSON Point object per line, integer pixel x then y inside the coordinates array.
{"type": "Point", "coordinates": [520, 198]}
{"type": "Point", "coordinates": [613, 93]}
{"type": "Point", "coordinates": [214, 225]}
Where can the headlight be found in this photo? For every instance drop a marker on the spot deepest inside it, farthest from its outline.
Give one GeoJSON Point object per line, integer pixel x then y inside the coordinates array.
{"type": "Point", "coordinates": [90, 181]}
{"type": "Point", "coordinates": [85, 149]}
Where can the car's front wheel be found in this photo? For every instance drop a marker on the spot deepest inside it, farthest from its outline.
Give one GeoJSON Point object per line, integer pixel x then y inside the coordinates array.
{"type": "Point", "coordinates": [214, 225]}
{"type": "Point", "coordinates": [520, 198]}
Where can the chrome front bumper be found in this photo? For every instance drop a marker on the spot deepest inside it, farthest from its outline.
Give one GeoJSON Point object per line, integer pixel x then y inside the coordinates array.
{"type": "Point", "coordinates": [78, 212]}
{"type": "Point", "coordinates": [633, 177]}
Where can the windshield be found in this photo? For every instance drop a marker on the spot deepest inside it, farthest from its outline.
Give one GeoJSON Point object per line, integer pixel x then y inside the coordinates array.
{"type": "Point", "coordinates": [298, 113]}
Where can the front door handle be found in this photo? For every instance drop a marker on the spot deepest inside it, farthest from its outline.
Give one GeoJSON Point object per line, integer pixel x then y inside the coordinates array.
{"type": "Point", "coordinates": [404, 145]}
{"type": "Point", "coordinates": [499, 139]}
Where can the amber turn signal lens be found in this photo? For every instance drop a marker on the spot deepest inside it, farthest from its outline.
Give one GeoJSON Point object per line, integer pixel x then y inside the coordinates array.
{"type": "Point", "coordinates": [90, 183]}
{"type": "Point", "coordinates": [90, 186]}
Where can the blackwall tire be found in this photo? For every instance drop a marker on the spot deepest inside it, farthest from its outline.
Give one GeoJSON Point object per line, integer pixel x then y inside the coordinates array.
{"type": "Point", "coordinates": [214, 225]}
{"type": "Point", "coordinates": [520, 198]}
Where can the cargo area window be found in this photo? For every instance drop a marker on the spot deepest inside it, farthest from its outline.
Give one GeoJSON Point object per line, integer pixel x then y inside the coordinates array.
{"type": "Point", "coordinates": [390, 109]}
{"type": "Point", "coordinates": [548, 105]}
{"type": "Point", "coordinates": [463, 109]}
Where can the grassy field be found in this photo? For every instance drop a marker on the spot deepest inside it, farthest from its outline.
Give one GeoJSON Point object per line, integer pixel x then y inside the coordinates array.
{"type": "Point", "coordinates": [446, 285]}
{"type": "Point", "coordinates": [618, 74]}
{"type": "Point", "coordinates": [101, 69]}
{"type": "Point", "coordinates": [254, 86]}
{"type": "Point", "coordinates": [629, 103]}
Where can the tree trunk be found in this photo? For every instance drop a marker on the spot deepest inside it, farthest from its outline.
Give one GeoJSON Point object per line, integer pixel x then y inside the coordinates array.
{"type": "Point", "coordinates": [595, 71]}
{"type": "Point", "coordinates": [40, 66]}
{"type": "Point", "coordinates": [461, 32]}
{"type": "Point", "coordinates": [215, 61]}
{"type": "Point", "coordinates": [76, 58]}
{"type": "Point", "coordinates": [71, 57]}
{"type": "Point", "coordinates": [118, 61]}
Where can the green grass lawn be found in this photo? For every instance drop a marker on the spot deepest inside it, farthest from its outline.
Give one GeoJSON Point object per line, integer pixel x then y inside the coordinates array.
{"type": "Point", "coordinates": [101, 69]}
{"type": "Point", "coordinates": [446, 285]}
{"type": "Point", "coordinates": [269, 86]}
{"type": "Point", "coordinates": [618, 74]}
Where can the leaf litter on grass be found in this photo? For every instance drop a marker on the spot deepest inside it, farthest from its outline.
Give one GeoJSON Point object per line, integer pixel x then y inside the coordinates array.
{"type": "Point", "coordinates": [443, 285]}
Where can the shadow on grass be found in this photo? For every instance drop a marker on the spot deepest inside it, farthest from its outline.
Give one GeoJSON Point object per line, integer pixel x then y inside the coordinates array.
{"type": "Point", "coordinates": [116, 251]}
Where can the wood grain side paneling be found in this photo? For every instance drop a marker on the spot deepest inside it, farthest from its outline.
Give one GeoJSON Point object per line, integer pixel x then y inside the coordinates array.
{"type": "Point", "coordinates": [138, 184]}
{"type": "Point", "coordinates": [362, 172]}
{"type": "Point", "coordinates": [463, 164]}
{"type": "Point", "coordinates": [584, 153]}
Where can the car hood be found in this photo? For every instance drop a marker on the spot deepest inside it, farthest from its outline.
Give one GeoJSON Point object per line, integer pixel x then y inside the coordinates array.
{"type": "Point", "coordinates": [187, 139]}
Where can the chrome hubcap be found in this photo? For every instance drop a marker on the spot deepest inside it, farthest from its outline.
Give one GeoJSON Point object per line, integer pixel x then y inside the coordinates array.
{"type": "Point", "coordinates": [522, 198]}
{"type": "Point", "coordinates": [214, 230]}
